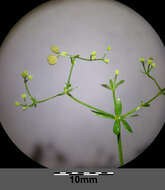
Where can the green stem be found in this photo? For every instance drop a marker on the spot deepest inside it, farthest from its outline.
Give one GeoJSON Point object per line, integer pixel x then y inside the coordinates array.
{"type": "Point", "coordinates": [71, 69]}
{"type": "Point", "coordinates": [50, 98]}
{"type": "Point", "coordinates": [144, 67]}
{"type": "Point", "coordinates": [85, 104]}
{"type": "Point", "coordinates": [114, 97]}
{"type": "Point", "coordinates": [155, 81]}
{"type": "Point", "coordinates": [147, 102]}
{"type": "Point", "coordinates": [87, 59]}
{"type": "Point", "coordinates": [161, 91]}
{"type": "Point", "coordinates": [41, 101]}
{"type": "Point", "coordinates": [156, 96]}
{"type": "Point", "coordinates": [75, 99]}
{"type": "Point", "coordinates": [27, 89]}
{"type": "Point", "coordinates": [120, 149]}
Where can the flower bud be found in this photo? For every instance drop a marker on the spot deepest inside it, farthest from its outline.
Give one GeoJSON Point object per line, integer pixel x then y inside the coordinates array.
{"type": "Point", "coordinates": [23, 96]}
{"type": "Point", "coordinates": [24, 74]}
{"type": "Point", "coordinates": [52, 59]}
{"type": "Point", "coordinates": [24, 108]}
{"type": "Point", "coordinates": [93, 53]}
{"type": "Point", "coordinates": [153, 65]}
{"type": "Point", "coordinates": [118, 107]}
{"type": "Point", "coordinates": [106, 60]}
{"type": "Point", "coordinates": [141, 60]}
{"type": "Point", "coordinates": [63, 53]}
{"type": "Point", "coordinates": [150, 61]}
{"type": "Point", "coordinates": [17, 103]}
{"type": "Point", "coordinates": [117, 72]}
{"type": "Point", "coordinates": [30, 77]}
{"type": "Point", "coordinates": [108, 48]}
{"type": "Point", "coordinates": [55, 49]}
{"type": "Point", "coordinates": [93, 57]}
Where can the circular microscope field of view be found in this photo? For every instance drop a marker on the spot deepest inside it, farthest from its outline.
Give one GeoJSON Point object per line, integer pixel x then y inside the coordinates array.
{"type": "Point", "coordinates": [104, 62]}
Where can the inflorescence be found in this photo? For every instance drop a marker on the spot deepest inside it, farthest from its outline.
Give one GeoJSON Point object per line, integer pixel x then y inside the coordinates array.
{"type": "Point", "coordinates": [119, 118]}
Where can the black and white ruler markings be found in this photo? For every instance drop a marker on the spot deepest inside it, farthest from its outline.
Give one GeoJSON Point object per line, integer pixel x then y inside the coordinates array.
{"type": "Point", "coordinates": [83, 173]}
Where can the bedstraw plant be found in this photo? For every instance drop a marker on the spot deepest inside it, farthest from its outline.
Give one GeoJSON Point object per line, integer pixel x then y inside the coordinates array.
{"type": "Point", "coordinates": [120, 119]}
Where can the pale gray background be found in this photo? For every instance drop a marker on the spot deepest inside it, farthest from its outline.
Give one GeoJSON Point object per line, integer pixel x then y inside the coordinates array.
{"type": "Point", "coordinates": [62, 133]}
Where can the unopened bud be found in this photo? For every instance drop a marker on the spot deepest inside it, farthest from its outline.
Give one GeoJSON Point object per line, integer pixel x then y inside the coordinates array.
{"type": "Point", "coordinates": [106, 60]}
{"type": "Point", "coordinates": [153, 65]}
{"type": "Point", "coordinates": [24, 108]}
{"type": "Point", "coordinates": [52, 59]}
{"type": "Point", "coordinates": [30, 77]}
{"type": "Point", "coordinates": [93, 57]}
{"type": "Point", "coordinates": [24, 74]}
{"type": "Point", "coordinates": [23, 96]}
{"type": "Point", "coordinates": [141, 60]}
{"type": "Point", "coordinates": [108, 48]}
{"type": "Point", "coordinates": [93, 53]}
{"type": "Point", "coordinates": [150, 61]}
{"type": "Point", "coordinates": [17, 103]}
{"type": "Point", "coordinates": [117, 72]}
{"type": "Point", "coordinates": [55, 49]}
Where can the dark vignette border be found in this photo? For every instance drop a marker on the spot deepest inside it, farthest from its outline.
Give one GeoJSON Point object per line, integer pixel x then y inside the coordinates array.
{"type": "Point", "coordinates": [10, 13]}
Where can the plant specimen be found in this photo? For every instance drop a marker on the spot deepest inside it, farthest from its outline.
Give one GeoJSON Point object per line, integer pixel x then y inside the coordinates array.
{"type": "Point", "coordinates": [120, 119]}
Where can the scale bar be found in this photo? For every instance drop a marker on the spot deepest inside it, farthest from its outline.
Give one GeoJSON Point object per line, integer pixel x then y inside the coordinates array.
{"type": "Point", "coordinates": [83, 173]}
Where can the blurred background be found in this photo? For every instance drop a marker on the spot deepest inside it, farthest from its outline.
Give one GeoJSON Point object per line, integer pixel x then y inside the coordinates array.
{"type": "Point", "coordinates": [62, 133]}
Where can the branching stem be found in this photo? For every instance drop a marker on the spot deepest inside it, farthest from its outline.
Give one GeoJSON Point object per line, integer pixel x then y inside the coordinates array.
{"type": "Point", "coordinates": [155, 81]}
{"type": "Point", "coordinates": [85, 104]}
{"type": "Point", "coordinates": [117, 104]}
{"type": "Point", "coordinates": [75, 99]}
{"type": "Point", "coordinates": [50, 98]}
{"type": "Point", "coordinates": [119, 142]}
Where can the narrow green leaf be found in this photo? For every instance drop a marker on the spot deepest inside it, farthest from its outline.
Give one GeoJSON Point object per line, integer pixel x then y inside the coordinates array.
{"type": "Point", "coordinates": [118, 107]}
{"type": "Point", "coordinates": [146, 105]}
{"type": "Point", "coordinates": [111, 83]}
{"type": "Point", "coordinates": [127, 126]}
{"type": "Point", "coordinates": [115, 79]}
{"type": "Point", "coordinates": [116, 127]}
{"type": "Point", "coordinates": [106, 86]}
{"type": "Point", "coordinates": [134, 115]}
{"type": "Point", "coordinates": [119, 83]}
{"type": "Point", "coordinates": [103, 114]}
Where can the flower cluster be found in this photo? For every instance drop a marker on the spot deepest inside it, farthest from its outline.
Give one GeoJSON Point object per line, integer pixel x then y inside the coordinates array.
{"type": "Point", "coordinates": [148, 64]}
{"type": "Point", "coordinates": [52, 59]}
{"type": "Point", "coordinates": [25, 75]}
{"type": "Point", "coordinates": [108, 49]}
{"type": "Point", "coordinates": [93, 55]}
{"type": "Point", "coordinates": [24, 106]}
